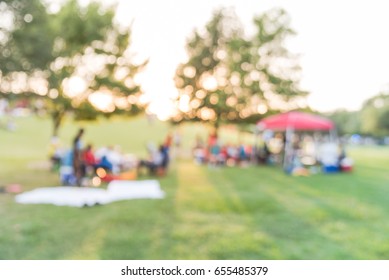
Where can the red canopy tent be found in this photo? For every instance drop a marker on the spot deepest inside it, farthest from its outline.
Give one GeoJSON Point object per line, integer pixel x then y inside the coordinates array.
{"type": "Point", "coordinates": [295, 121]}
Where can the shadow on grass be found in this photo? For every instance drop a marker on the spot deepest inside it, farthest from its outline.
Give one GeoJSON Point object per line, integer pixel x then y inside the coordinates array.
{"type": "Point", "coordinates": [141, 229]}
{"type": "Point", "coordinates": [274, 210]}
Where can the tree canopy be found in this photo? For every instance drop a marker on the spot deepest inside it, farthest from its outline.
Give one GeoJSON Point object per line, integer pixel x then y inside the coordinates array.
{"type": "Point", "coordinates": [77, 59]}
{"type": "Point", "coordinates": [230, 77]}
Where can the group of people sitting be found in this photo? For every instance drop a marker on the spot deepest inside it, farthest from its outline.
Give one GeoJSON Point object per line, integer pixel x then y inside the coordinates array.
{"type": "Point", "coordinates": [303, 156]}
{"type": "Point", "coordinates": [106, 163]}
{"type": "Point", "coordinates": [306, 156]}
{"type": "Point", "coordinates": [215, 154]}
{"type": "Point", "coordinates": [158, 160]}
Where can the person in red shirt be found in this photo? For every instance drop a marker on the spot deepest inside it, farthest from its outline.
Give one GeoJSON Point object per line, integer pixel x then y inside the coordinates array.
{"type": "Point", "coordinates": [88, 158]}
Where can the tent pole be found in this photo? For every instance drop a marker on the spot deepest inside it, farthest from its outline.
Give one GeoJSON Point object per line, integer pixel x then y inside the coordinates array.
{"type": "Point", "coordinates": [255, 146]}
{"type": "Point", "coordinates": [287, 148]}
{"type": "Point", "coordinates": [333, 135]}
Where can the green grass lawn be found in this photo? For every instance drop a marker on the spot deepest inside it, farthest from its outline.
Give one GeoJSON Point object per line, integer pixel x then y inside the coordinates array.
{"type": "Point", "coordinates": [228, 213]}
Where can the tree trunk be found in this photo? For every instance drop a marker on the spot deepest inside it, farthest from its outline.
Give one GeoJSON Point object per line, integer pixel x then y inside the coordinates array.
{"type": "Point", "coordinates": [216, 127]}
{"type": "Point", "coordinates": [57, 121]}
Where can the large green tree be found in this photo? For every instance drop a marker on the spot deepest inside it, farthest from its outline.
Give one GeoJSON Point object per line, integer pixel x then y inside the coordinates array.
{"type": "Point", "coordinates": [78, 58]}
{"type": "Point", "coordinates": [230, 77]}
{"type": "Point", "coordinates": [375, 115]}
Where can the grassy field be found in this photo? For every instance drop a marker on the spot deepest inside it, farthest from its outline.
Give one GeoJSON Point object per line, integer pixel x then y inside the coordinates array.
{"type": "Point", "coordinates": [228, 213]}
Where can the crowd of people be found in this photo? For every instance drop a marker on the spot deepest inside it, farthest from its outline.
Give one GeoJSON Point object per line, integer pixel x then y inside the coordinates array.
{"type": "Point", "coordinates": [301, 156]}
{"type": "Point", "coordinates": [82, 162]}
{"type": "Point", "coordinates": [215, 153]}
{"type": "Point", "coordinates": [305, 154]}
{"type": "Point", "coordinates": [109, 163]}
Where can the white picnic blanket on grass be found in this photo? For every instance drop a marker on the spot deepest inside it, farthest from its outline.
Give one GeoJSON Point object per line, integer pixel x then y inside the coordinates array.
{"type": "Point", "coordinates": [85, 196]}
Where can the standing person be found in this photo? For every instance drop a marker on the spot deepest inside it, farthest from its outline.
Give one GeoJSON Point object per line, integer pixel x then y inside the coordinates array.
{"type": "Point", "coordinates": [78, 163]}
{"type": "Point", "coordinates": [168, 141]}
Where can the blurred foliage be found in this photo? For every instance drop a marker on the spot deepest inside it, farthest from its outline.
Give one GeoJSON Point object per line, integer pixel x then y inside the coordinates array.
{"type": "Point", "coordinates": [347, 122]}
{"type": "Point", "coordinates": [372, 119]}
{"type": "Point", "coordinates": [232, 78]}
{"type": "Point", "coordinates": [25, 36]}
{"type": "Point", "coordinates": [45, 53]}
{"type": "Point", "coordinates": [375, 115]}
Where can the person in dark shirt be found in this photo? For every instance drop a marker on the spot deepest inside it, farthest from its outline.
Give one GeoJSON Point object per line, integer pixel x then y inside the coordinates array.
{"type": "Point", "coordinates": [78, 163]}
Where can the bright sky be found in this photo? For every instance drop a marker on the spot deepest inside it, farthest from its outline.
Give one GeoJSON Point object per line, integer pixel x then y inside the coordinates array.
{"type": "Point", "coordinates": [344, 45]}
